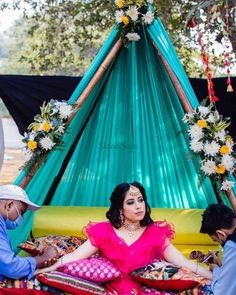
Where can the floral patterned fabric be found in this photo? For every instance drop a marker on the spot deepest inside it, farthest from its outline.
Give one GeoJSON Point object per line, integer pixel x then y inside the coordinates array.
{"type": "Point", "coordinates": [64, 244]}
{"type": "Point", "coordinates": [15, 291]}
{"type": "Point", "coordinates": [165, 276]}
{"type": "Point", "coordinates": [32, 284]}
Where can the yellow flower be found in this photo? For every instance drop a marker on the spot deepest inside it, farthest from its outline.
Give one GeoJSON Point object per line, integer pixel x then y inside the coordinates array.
{"type": "Point", "coordinates": [220, 169]}
{"type": "Point", "coordinates": [120, 3]}
{"type": "Point", "coordinates": [202, 123]}
{"type": "Point", "coordinates": [32, 145]}
{"type": "Point", "coordinates": [224, 150]}
{"type": "Point", "coordinates": [36, 127]}
{"type": "Point", "coordinates": [125, 20]}
{"type": "Point", "coordinates": [46, 126]}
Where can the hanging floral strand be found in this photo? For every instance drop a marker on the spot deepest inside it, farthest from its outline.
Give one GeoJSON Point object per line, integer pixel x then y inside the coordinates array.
{"type": "Point", "coordinates": [207, 68]}
{"type": "Point", "coordinates": [208, 133]}
{"type": "Point", "coordinates": [227, 47]}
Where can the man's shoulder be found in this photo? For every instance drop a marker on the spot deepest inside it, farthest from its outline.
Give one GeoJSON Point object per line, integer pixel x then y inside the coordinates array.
{"type": "Point", "coordinates": [229, 244]}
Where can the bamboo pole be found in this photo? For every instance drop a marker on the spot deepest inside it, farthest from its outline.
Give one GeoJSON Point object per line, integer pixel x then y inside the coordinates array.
{"type": "Point", "coordinates": [188, 108]}
{"type": "Point", "coordinates": [182, 96]}
{"type": "Point", "coordinates": [92, 83]}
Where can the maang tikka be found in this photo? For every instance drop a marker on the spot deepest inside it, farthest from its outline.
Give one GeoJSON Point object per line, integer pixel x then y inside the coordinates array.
{"type": "Point", "coordinates": [134, 191]}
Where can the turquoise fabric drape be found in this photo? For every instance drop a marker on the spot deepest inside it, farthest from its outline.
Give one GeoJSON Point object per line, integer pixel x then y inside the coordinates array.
{"type": "Point", "coordinates": [42, 181]}
{"type": "Point", "coordinates": [135, 133]}
{"type": "Point", "coordinates": [130, 128]}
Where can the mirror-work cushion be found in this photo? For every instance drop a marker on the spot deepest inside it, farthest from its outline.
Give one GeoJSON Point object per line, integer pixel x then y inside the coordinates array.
{"type": "Point", "coordinates": [64, 244]}
{"type": "Point", "coordinates": [164, 276]}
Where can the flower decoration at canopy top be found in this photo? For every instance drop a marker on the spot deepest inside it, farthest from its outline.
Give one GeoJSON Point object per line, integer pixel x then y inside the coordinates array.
{"type": "Point", "coordinates": [45, 132]}
{"type": "Point", "coordinates": [131, 14]}
{"type": "Point", "coordinates": [210, 139]}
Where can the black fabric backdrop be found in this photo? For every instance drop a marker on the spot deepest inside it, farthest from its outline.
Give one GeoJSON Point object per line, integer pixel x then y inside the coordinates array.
{"type": "Point", "coordinates": [23, 95]}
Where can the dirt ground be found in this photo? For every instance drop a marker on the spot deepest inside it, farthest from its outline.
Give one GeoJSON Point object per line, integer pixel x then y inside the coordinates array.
{"type": "Point", "coordinates": [13, 160]}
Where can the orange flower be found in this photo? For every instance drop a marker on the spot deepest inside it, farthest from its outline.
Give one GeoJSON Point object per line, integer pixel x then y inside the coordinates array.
{"type": "Point", "coordinates": [220, 169]}
{"type": "Point", "coordinates": [202, 123]}
{"type": "Point", "coordinates": [120, 3]}
{"type": "Point", "coordinates": [46, 126]}
{"type": "Point", "coordinates": [125, 20]}
{"type": "Point", "coordinates": [224, 150]}
{"type": "Point", "coordinates": [32, 145]}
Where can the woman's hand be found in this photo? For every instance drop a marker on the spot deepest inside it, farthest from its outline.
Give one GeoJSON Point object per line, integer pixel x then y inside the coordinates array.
{"type": "Point", "coordinates": [84, 251]}
{"type": "Point", "coordinates": [172, 255]}
{"type": "Point", "coordinates": [48, 269]}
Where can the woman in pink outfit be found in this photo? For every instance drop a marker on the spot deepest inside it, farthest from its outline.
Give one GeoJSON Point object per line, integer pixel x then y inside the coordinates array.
{"type": "Point", "coordinates": [130, 239]}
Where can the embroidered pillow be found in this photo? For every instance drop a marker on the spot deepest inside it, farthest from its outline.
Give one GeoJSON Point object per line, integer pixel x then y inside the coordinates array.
{"type": "Point", "coordinates": [64, 244]}
{"type": "Point", "coordinates": [72, 285]}
{"type": "Point", "coordinates": [162, 275]}
{"type": "Point", "coordinates": [17, 291]}
{"type": "Point", "coordinates": [96, 269]}
{"type": "Point", "coordinates": [26, 286]}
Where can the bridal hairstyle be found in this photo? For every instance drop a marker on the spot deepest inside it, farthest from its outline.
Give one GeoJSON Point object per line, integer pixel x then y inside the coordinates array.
{"type": "Point", "coordinates": [117, 203]}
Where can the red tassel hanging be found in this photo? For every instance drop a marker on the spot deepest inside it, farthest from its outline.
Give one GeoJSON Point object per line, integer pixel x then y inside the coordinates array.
{"type": "Point", "coordinates": [227, 53]}
{"type": "Point", "coordinates": [207, 69]}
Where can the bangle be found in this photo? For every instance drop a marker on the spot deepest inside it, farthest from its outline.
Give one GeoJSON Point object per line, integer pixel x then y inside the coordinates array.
{"type": "Point", "coordinates": [196, 269]}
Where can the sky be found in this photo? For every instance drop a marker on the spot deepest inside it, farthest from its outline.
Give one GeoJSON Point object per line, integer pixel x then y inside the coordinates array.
{"type": "Point", "coordinates": [7, 17]}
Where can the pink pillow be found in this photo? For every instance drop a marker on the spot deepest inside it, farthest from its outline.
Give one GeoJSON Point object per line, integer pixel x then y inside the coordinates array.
{"type": "Point", "coordinates": [93, 269]}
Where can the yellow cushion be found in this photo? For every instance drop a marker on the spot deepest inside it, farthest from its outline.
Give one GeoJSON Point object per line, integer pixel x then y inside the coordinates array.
{"type": "Point", "coordinates": [66, 220]}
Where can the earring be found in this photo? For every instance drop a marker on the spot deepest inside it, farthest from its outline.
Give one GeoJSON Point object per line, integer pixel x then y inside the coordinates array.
{"type": "Point", "coordinates": [122, 218]}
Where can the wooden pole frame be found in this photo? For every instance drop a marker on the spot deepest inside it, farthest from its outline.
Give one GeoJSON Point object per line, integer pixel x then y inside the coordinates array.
{"type": "Point", "coordinates": [82, 98]}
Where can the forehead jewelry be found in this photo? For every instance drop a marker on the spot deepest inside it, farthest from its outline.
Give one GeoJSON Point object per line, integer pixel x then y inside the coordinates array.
{"type": "Point", "coordinates": [134, 191]}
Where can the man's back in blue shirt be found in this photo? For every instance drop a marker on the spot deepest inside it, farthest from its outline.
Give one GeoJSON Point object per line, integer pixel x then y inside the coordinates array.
{"type": "Point", "coordinates": [224, 282]}
{"type": "Point", "coordinates": [12, 266]}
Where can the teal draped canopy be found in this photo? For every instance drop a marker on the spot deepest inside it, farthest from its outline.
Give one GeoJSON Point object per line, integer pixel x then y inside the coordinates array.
{"type": "Point", "coordinates": [130, 128]}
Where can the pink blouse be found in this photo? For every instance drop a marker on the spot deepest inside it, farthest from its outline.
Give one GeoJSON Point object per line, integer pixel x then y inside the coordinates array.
{"type": "Point", "coordinates": [150, 245]}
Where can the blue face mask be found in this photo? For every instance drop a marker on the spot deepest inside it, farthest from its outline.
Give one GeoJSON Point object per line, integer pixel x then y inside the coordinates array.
{"type": "Point", "coordinates": [13, 224]}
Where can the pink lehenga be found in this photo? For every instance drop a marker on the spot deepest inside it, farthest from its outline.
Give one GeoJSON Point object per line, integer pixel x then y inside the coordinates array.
{"type": "Point", "coordinates": [150, 245]}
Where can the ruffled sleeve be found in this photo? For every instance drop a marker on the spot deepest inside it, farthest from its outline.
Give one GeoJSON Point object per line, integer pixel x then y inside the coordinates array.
{"type": "Point", "coordinates": [161, 234]}
{"type": "Point", "coordinates": [97, 233]}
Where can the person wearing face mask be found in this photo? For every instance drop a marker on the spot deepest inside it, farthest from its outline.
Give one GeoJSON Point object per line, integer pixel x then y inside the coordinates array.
{"type": "Point", "coordinates": [14, 202]}
{"type": "Point", "coordinates": [219, 222]}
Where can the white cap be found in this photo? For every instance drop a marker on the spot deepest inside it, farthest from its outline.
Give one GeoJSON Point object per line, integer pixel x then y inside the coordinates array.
{"type": "Point", "coordinates": [14, 192]}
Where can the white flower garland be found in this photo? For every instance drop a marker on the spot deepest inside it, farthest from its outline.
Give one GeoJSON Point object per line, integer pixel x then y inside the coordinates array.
{"type": "Point", "coordinates": [209, 139]}
{"type": "Point", "coordinates": [130, 15]}
{"type": "Point", "coordinates": [45, 132]}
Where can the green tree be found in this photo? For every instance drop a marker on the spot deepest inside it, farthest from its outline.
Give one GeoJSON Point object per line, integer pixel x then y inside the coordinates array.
{"type": "Point", "coordinates": [13, 44]}
{"type": "Point", "coordinates": [64, 35]}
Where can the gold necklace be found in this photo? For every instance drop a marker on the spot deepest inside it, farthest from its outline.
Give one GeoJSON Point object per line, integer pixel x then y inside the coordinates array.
{"type": "Point", "coordinates": [131, 228]}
